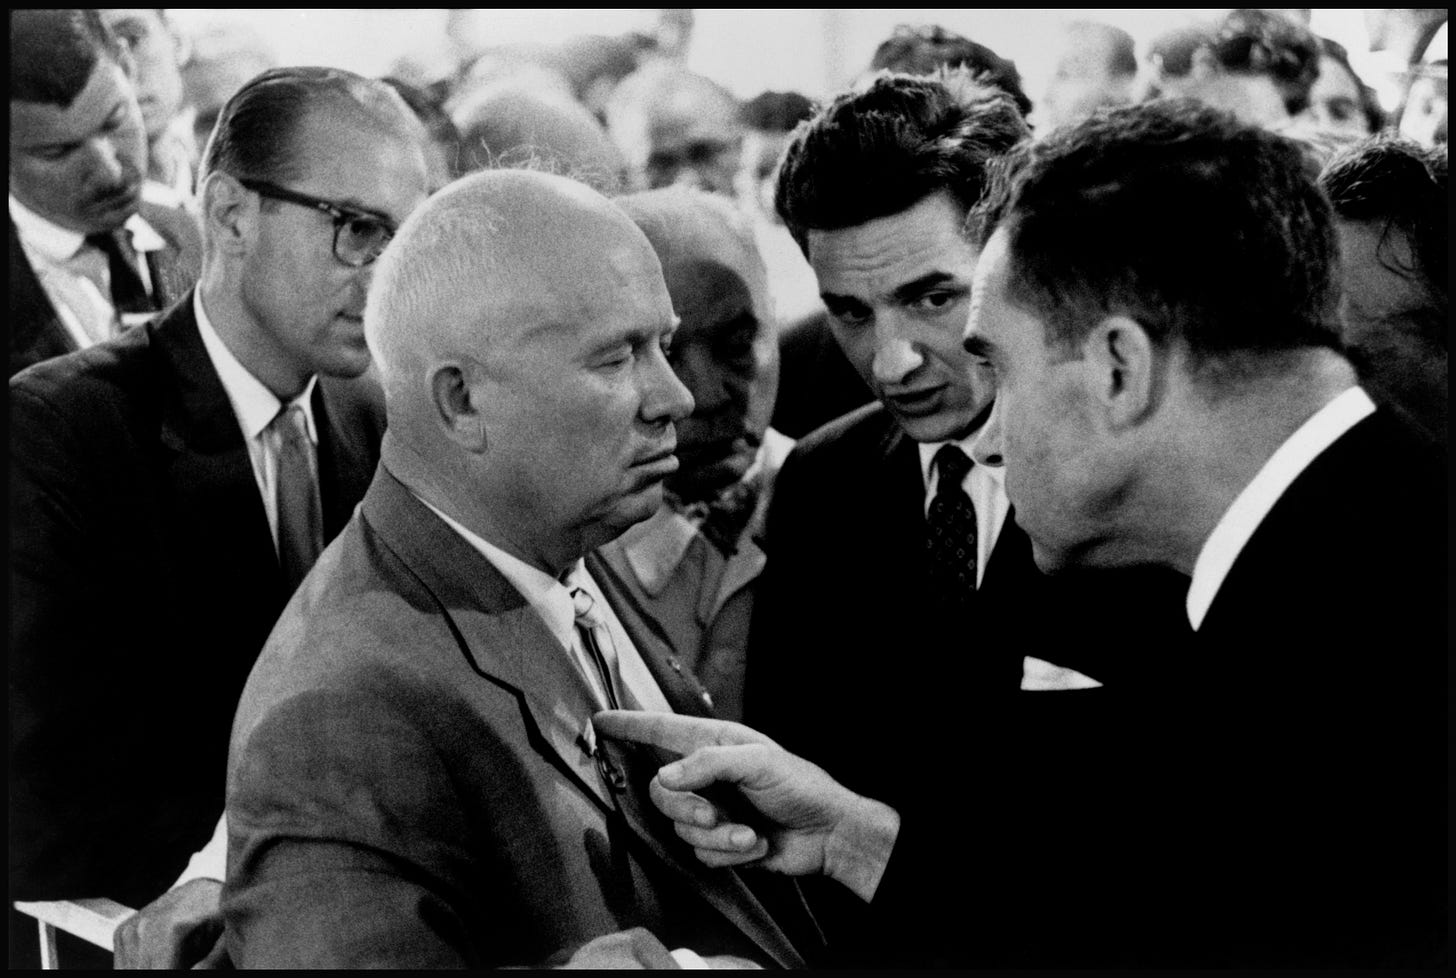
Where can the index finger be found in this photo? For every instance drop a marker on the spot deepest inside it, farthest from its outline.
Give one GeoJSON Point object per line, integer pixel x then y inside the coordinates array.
{"type": "Point", "coordinates": [674, 732]}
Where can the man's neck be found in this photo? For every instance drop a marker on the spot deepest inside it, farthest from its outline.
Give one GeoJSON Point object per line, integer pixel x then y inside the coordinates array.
{"type": "Point", "coordinates": [246, 339]}
{"type": "Point", "coordinates": [1221, 443]}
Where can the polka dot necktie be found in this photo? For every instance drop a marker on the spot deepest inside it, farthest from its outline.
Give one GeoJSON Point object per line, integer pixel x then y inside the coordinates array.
{"type": "Point", "coordinates": [951, 541]}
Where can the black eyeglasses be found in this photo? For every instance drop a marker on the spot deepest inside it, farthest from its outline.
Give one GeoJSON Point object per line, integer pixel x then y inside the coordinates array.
{"type": "Point", "coordinates": [359, 238]}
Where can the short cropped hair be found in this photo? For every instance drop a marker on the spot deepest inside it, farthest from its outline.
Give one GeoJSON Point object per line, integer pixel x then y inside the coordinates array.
{"type": "Point", "coordinates": [1210, 233]}
{"type": "Point", "coordinates": [923, 50]}
{"type": "Point", "coordinates": [1402, 186]}
{"type": "Point", "coordinates": [53, 52]}
{"type": "Point", "coordinates": [873, 153]}
{"type": "Point", "coordinates": [254, 137]}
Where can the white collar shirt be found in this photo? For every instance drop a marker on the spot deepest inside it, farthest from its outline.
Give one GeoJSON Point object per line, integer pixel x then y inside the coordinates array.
{"type": "Point", "coordinates": [551, 600]}
{"type": "Point", "coordinates": [984, 484]}
{"type": "Point", "coordinates": [75, 276]}
{"type": "Point", "coordinates": [255, 407]}
{"type": "Point", "coordinates": [1242, 518]}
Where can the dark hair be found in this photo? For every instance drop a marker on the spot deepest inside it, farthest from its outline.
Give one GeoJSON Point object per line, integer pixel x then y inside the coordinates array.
{"type": "Point", "coordinates": [776, 111]}
{"type": "Point", "coordinates": [1258, 42]}
{"type": "Point", "coordinates": [1402, 185]}
{"type": "Point", "coordinates": [254, 134]}
{"type": "Point", "coordinates": [1369, 103]}
{"type": "Point", "coordinates": [1210, 233]}
{"type": "Point", "coordinates": [53, 52]}
{"type": "Point", "coordinates": [874, 153]}
{"type": "Point", "coordinates": [921, 50]}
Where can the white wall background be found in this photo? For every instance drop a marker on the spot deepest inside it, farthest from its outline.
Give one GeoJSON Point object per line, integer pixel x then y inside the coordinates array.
{"type": "Point", "coordinates": [814, 51]}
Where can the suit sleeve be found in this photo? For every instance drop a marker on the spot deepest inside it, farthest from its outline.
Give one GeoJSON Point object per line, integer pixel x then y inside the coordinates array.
{"type": "Point", "coordinates": [62, 683]}
{"type": "Point", "coordinates": [346, 842]}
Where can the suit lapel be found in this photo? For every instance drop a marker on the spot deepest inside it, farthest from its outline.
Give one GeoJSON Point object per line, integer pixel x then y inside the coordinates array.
{"type": "Point", "coordinates": [508, 644]}
{"type": "Point", "coordinates": [346, 456]}
{"type": "Point", "coordinates": [724, 890]}
{"type": "Point", "coordinates": [210, 472]}
{"type": "Point", "coordinates": [500, 634]}
{"type": "Point", "coordinates": [36, 332]}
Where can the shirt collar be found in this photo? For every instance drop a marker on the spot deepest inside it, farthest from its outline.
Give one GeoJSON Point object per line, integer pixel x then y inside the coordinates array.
{"type": "Point", "coordinates": [550, 598]}
{"type": "Point", "coordinates": [61, 244]}
{"type": "Point", "coordinates": [928, 449]}
{"type": "Point", "coordinates": [1251, 505]}
{"type": "Point", "coordinates": [253, 403]}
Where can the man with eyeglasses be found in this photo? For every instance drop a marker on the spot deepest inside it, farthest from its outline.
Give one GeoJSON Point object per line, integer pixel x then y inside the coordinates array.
{"type": "Point", "coordinates": [90, 252]}
{"type": "Point", "coordinates": [171, 487]}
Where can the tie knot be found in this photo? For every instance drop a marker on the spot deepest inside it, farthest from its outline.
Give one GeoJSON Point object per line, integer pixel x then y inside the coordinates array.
{"type": "Point", "coordinates": [952, 464]}
{"type": "Point", "coordinates": [108, 241]}
{"type": "Point", "coordinates": [289, 423]}
{"type": "Point", "coordinates": [584, 606]}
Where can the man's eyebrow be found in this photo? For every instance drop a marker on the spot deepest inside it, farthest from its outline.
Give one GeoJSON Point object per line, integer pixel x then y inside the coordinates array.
{"type": "Point", "coordinates": [915, 288]}
{"type": "Point", "coordinates": [835, 299]}
{"type": "Point", "coordinates": [352, 204]}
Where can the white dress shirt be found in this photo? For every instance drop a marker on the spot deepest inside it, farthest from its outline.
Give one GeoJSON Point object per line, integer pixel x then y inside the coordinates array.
{"type": "Point", "coordinates": [255, 407]}
{"type": "Point", "coordinates": [76, 276]}
{"type": "Point", "coordinates": [1249, 508]}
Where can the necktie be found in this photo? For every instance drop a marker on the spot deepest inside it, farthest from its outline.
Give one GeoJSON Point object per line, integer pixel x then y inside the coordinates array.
{"type": "Point", "coordinates": [952, 531]}
{"type": "Point", "coordinates": [596, 638]}
{"type": "Point", "coordinates": [728, 514]}
{"type": "Point", "coordinates": [128, 294]}
{"type": "Point", "coordinates": [300, 515]}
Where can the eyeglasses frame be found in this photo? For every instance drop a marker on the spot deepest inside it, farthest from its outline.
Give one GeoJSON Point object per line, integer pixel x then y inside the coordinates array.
{"type": "Point", "coordinates": [340, 213]}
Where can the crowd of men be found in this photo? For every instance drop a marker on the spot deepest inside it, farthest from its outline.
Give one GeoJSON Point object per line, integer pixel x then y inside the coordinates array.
{"type": "Point", "coordinates": [555, 514]}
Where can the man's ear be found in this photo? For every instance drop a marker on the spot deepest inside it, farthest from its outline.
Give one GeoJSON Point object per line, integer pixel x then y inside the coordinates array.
{"type": "Point", "coordinates": [230, 213]}
{"type": "Point", "coordinates": [456, 394]}
{"type": "Point", "coordinates": [1124, 362]}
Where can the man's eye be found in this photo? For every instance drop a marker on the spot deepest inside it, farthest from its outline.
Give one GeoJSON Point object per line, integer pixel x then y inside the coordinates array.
{"type": "Point", "coordinates": [851, 317]}
{"type": "Point", "coordinates": [935, 301]}
{"type": "Point", "coordinates": [53, 152]}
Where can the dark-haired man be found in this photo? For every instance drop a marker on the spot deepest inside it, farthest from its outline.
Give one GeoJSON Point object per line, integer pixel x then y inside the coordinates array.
{"type": "Point", "coordinates": [88, 256]}
{"type": "Point", "coordinates": [895, 561]}
{"type": "Point", "coordinates": [1389, 196]}
{"type": "Point", "coordinates": [1276, 797]}
{"type": "Point", "coordinates": [170, 487]}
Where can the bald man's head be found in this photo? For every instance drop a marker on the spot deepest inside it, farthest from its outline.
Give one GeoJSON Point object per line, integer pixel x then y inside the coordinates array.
{"type": "Point", "coordinates": [676, 127]}
{"type": "Point", "coordinates": [519, 321]}
{"type": "Point", "coordinates": [726, 349]}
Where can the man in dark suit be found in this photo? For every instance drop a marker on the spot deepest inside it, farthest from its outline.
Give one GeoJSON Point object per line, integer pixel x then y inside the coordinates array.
{"type": "Point", "coordinates": [1169, 392]}
{"type": "Point", "coordinates": [170, 487]}
{"type": "Point", "coordinates": [88, 257]}
{"type": "Point", "coordinates": [886, 573]}
{"type": "Point", "coordinates": [413, 779]}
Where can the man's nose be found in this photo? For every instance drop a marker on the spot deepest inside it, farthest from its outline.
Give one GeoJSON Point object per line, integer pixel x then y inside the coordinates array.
{"type": "Point", "coordinates": [986, 449]}
{"type": "Point", "coordinates": [666, 398]}
{"type": "Point", "coordinates": [106, 162]}
{"type": "Point", "coordinates": [895, 354]}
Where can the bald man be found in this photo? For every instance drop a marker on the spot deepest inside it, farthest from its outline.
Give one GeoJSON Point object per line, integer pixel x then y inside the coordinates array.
{"type": "Point", "coordinates": [508, 122]}
{"type": "Point", "coordinates": [676, 128]}
{"type": "Point", "coordinates": [685, 577]}
{"type": "Point", "coordinates": [414, 780]}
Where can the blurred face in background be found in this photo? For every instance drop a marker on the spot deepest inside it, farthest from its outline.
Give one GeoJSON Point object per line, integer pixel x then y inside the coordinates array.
{"type": "Point", "coordinates": [1334, 102]}
{"type": "Point", "coordinates": [1084, 81]}
{"type": "Point", "coordinates": [155, 53]}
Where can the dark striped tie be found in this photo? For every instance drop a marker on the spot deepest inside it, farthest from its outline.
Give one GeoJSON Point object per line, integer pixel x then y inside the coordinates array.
{"type": "Point", "coordinates": [128, 294]}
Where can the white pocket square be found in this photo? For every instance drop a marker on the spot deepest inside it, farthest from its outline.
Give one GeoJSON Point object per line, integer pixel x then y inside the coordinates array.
{"type": "Point", "coordinates": [1038, 675]}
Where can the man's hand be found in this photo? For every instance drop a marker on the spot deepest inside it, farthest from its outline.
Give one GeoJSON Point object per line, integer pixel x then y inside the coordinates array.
{"type": "Point", "coordinates": [182, 928]}
{"type": "Point", "coordinates": [810, 822]}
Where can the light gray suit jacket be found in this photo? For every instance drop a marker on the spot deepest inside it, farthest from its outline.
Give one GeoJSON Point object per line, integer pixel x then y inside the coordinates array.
{"type": "Point", "coordinates": [408, 785]}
